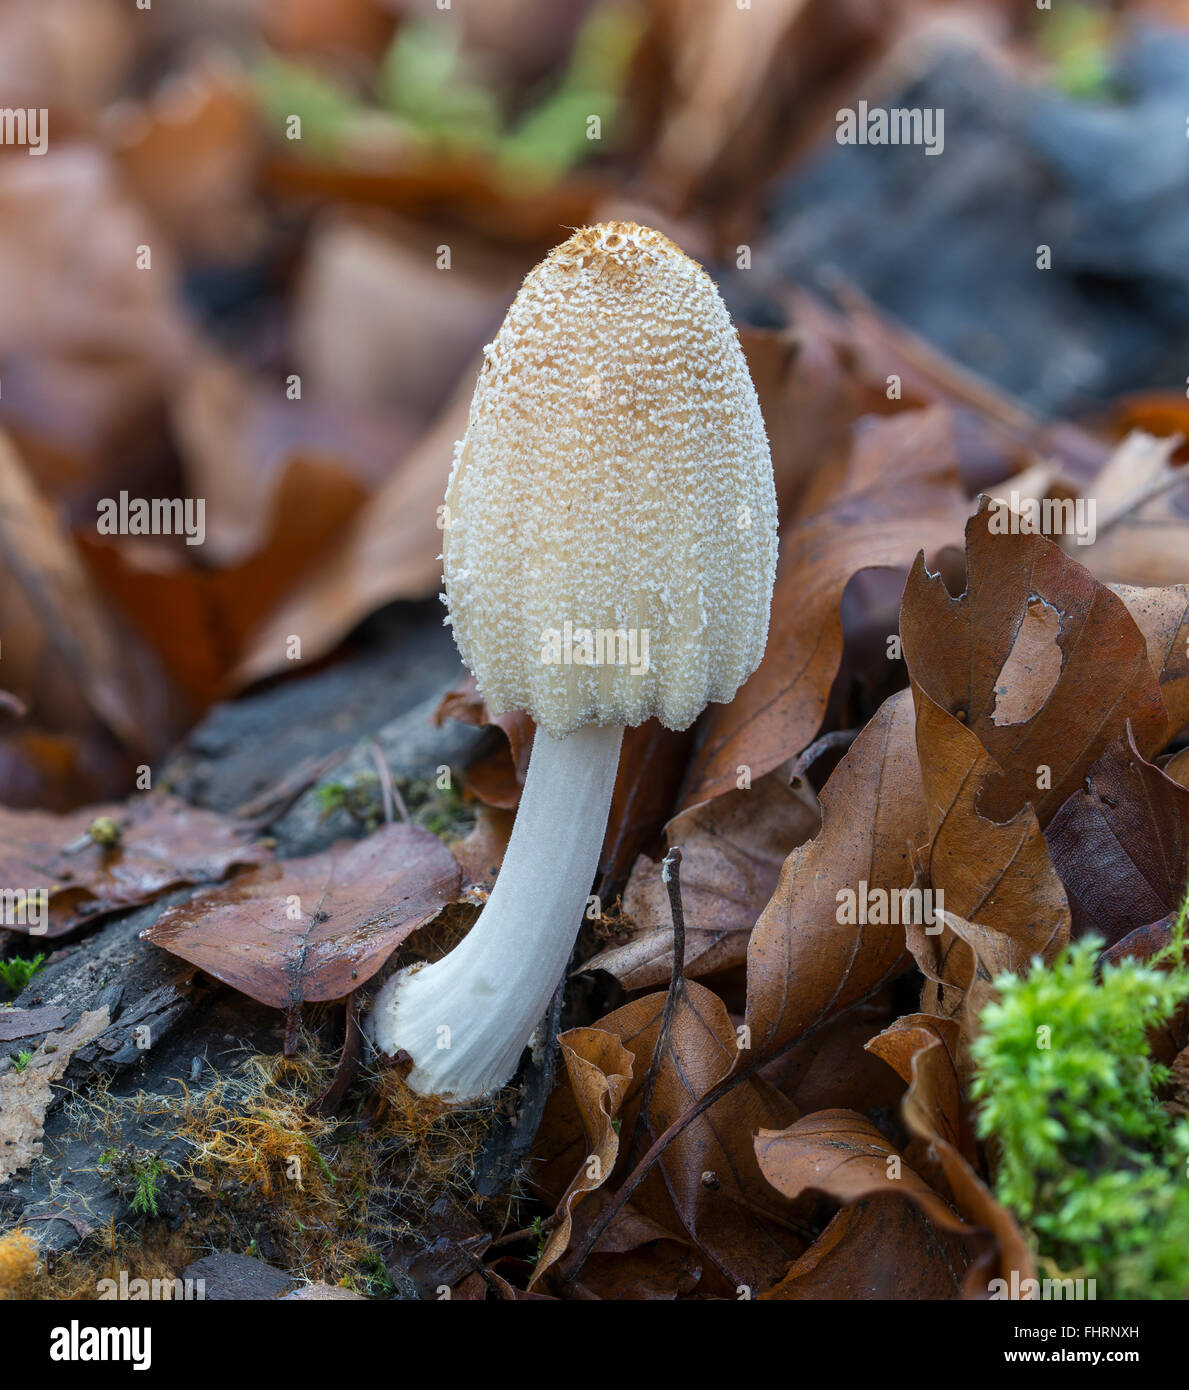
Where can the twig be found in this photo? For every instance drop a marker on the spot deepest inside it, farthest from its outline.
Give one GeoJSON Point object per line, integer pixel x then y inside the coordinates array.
{"type": "Point", "coordinates": [348, 1066]}
{"type": "Point", "coordinates": [839, 738]}
{"type": "Point", "coordinates": [671, 874]}
{"type": "Point", "coordinates": [392, 797]}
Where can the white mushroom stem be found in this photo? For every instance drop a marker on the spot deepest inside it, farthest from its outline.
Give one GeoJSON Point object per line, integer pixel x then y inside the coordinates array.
{"type": "Point", "coordinates": [466, 1019]}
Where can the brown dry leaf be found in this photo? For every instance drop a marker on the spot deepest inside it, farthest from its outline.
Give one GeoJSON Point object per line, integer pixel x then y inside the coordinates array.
{"type": "Point", "coordinates": [923, 1051]}
{"type": "Point", "coordinates": [879, 1249]}
{"type": "Point", "coordinates": [732, 850]}
{"type": "Point", "coordinates": [26, 1095]}
{"type": "Point", "coordinates": [496, 778]}
{"type": "Point", "coordinates": [636, 1260]}
{"type": "Point", "coordinates": [804, 965]}
{"type": "Point", "coordinates": [957, 650]}
{"type": "Point", "coordinates": [390, 551]}
{"type": "Point", "coordinates": [1162, 615]}
{"type": "Point", "coordinates": [1121, 845]}
{"type": "Point", "coordinates": [63, 656]}
{"type": "Point", "coordinates": [1142, 514]}
{"type": "Point", "coordinates": [481, 853]}
{"type": "Point", "coordinates": [1032, 667]}
{"type": "Point", "coordinates": [899, 493]}
{"type": "Point", "coordinates": [162, 842]}
{"type": "Point", "coordinates": [239, 441]}
{"type": "Point", "coordinates": [599, 1069]}
{"type": "Point", "coordinates": [833, 1070]}
{"type": "Point", "coordinates": [308, 930]}
{"type": "Point", "coordinates": [706, 1187]}
{"type": "Point", "coordinates": [843, 1155]}
{"type": "Point", "coordinates": [190, 153]}
{"type": "Point", "coordinates": [998, 875]}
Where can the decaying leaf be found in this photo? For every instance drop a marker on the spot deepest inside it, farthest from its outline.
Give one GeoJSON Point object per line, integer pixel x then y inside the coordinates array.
{"type": "Point", "coordinates": [106, 858]}
{"type": "Point", "coordinates": [26, 1095]}
{"type": "Point", "coordinates": [314, 929]}
{"type": "Point", "coordinates": [956, 650]}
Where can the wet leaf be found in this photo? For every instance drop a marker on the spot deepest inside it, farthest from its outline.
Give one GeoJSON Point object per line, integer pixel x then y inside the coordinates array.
{"type": "Point", "coordinates": [156, 842]}
{"type": "Point", "coordinates": [313, 929]}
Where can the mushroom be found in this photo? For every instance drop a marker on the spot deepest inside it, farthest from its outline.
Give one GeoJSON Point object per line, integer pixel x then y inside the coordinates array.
{"type": "Point", "coordinates": [609, 555]}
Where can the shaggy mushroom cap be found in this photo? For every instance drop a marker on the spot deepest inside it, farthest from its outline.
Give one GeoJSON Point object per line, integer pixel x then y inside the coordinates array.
{"type": "Point", "coordinates": [614, 481]}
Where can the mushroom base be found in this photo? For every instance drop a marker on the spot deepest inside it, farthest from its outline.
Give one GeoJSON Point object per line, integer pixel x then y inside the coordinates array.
{"type": "Point", "coordinates": [466, 1019]}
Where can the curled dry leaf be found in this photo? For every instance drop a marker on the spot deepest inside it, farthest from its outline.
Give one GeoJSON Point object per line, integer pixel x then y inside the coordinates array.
{"type": "Point", "coordinates": [894, 1253]}
{"type": "Point", "coordinates": [959, 653]}
{"type": "Point", "coordinates": [307, 930]}
{"type": "Point", "coordinates": [900, 491]}
{"type": "Point", "coordinates": [732, 850]}
{"type": "Point", "coordinates": [481, 853]}
{"type": "Point", "coordinates": [805, 965]}
{"type": "Point", "coordinates": [159, 843]}
{"type": "Point", "coordinates": [599, 1070]}
{"type": "Point", "coordinates": [998, 875]}
{"type": "Point", "coordinates": [496, 777]}
{"type": "Point", "coordinates": [706, 1186]}
{"type": "Point", "coordinates": [923, 1051]}
{"type": "Point", "coordinates": [1121, 845]}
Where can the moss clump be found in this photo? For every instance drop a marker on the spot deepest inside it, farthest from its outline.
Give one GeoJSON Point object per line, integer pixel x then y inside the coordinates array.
{"type": "Point", "coordinates": [260, 1171]}
{"type": "Point", "coordinates": [16, 973]}
{"type": "Point", "coordinates": [1068, 1093]}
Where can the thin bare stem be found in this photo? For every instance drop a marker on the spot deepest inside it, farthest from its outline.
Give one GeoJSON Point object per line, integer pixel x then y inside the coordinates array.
{"type": "Point", "coordinates": [671, 874]}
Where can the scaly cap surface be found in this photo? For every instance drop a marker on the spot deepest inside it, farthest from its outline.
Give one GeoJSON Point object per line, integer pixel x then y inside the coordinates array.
{"type": "Point", "coordinates": [614, 478]}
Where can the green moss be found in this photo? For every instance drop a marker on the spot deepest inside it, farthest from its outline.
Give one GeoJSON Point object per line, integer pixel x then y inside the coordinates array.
{"type": "Point", "coordinates": [1068, 1093]}
{"type": "Point", "coordinates": [139, 1173]}
{"type": "Point", "coordinates": [15, 974]}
